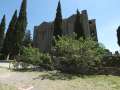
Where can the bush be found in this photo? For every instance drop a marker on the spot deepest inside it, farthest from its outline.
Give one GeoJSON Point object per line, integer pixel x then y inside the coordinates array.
{"type": "Point", "coordinates": [111, 61]}
{"type": "Point", "coordinates": [78, 56]}
{"type": "Point", "coordinates": [33, 56]}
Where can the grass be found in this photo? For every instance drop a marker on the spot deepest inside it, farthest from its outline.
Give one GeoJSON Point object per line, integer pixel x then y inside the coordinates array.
{"type": "Point", "coordinates": [60, 81]}
{"type": "Point", "coordinates": [6, 87]}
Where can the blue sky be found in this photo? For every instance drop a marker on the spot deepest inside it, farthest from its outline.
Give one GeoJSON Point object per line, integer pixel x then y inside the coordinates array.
{"type": "Point", "coordinates": [106, 13]}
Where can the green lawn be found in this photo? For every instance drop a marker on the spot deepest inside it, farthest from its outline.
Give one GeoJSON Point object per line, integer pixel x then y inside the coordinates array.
{"type": "Point", "coordinates": [6, 87]}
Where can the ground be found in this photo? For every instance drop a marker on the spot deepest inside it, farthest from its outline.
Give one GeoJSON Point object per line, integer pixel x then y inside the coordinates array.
{"type": "Point", "coordinates": [6, 87]}
{"type": "Point", "coordinates": [53, 80]}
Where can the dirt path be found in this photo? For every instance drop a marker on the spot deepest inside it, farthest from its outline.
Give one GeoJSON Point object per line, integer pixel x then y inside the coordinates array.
{"type": "Point", "coordinates": [20, 80]}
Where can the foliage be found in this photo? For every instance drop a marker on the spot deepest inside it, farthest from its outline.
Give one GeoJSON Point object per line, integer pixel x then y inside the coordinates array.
{"type": "Point", "coordinates": [20, 28]}
{"type": "Point", "coordinates": [33, 56]}
{"type": "Point", "coordinates": [2, 31]}
{"type": "Point", "coordinates": [78, 55]}
{"type": "Point", "coordinates": [111, 61]}
{"type": "Point", "coordinates": [118, 35]}
{"type": "Point", "coordinates": [78, 29]}
{"type": "Point", "coordinates": [27, 39]}
{"type": "Point", "coordinates": [8, 42]}
{"type": "Point", "coordinates": [58, 22]}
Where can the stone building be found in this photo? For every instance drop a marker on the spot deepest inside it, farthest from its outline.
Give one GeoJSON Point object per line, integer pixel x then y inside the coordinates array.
{"type": "Point", "coordinates": [44, 32]}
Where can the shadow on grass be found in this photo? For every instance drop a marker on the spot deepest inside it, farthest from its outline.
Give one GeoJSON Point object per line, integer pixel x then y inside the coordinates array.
{"type": "Point", "coordinates": [29, 70]}
{"type": "Point", "coordinates": [56, 75]}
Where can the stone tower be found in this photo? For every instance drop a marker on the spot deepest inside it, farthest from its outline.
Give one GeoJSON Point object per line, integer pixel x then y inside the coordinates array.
{"type": "Point", "coordinates": [43, 33]}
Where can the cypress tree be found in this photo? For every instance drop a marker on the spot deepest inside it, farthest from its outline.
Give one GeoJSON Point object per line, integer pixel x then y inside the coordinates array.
{"type": "Point", "coordinates": [27, 40]}
{"type": "Point", "coordinates": [78, 29]}
{"type": "Point", "coordinates": [2, 31]}
{"type": "Point", "coordinates": [118, 35]}
{"type": "Point", "coordinates": [8, 42]}
{"type": "Point", "coordinates": [58, 22]}
{"type": "Point", "coordinates": [20, 28]}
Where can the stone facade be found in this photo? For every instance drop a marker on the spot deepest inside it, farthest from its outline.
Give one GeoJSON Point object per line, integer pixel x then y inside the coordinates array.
{"type": "Point", "coordinates": [44, 32]}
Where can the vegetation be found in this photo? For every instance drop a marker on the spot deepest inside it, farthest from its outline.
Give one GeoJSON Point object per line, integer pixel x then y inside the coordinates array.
{"type": "Point", "coordinates": [118, 35]}
{"type": "Point", "coordinates": [33, 56]}
{"type": "Point", "coordinates": [78, 56]}
{"type": "Point", "coordinates": [2, 31]}
{"type": "Point", "coordinates": [20, 28]}
{"type": "Point", "coordinates": [27, 39]}
{"type": "Point", "coordinates": [111, 61]}
{"type": "Point", "coordinates": [58, 22]}
{"type": "Point", "coordinates": [8, 42]}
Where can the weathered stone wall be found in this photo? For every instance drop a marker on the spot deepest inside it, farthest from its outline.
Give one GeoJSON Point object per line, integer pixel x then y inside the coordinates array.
{"type": "Point", "coordinates": [93, 29]}
{"type": "Point", "coordinates": [85, 23]}
{"type": "Point", "coordinates": [43, 37]}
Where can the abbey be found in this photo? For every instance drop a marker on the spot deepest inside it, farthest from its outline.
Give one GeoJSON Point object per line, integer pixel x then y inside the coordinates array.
{"type": "Point", "coordinates": [43, 33]}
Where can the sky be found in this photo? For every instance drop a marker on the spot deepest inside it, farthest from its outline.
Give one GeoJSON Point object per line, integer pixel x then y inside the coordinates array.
{"type": "Point", "coordinates": [106, 13]}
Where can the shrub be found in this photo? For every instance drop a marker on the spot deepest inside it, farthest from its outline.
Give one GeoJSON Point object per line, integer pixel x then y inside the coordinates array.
{"type": "Point", "coordinates": [33, 56]}
{"type": "Point", "coordinates": [78, 56]}
{"type": "Point", "coordinates": [111, 61]}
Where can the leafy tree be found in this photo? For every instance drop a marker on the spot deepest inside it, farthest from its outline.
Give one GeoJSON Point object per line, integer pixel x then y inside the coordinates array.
{"type": "Point", "coordinates": [8, 42]}
{"type": "Point", "coordinates": [58, 22]}
{"type": "Point", "coordinates": [20, 28]}
{"type": "Point", "coordinates": [118, 35]}
{"type": "Point", "coordinates": [27, 39]}
{"type": "Point", "coordinates": [2, 31]}
{"type": "Point", "coordinates": [78, 29]}
{"type": "Point", "coordinates": [78, 56]}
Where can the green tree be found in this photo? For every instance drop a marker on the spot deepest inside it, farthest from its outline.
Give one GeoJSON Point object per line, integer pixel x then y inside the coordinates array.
{"type": "Point", "coordinates": [27, 39]}
{"type": "Point", "coordinates": [78, 29]}
{"type": "Point", "coordinates": [118, 35]}
{"type": "Point", "coordinates": [20, 28]}
{"type": "Point", "coordinates": [78, 56]}
{"type": "Point", "coordinates": [2, 31]}
{"type": "Point", "coordinates": [58, 22]}
{"type": "Point", "coordinates": [8, 42]}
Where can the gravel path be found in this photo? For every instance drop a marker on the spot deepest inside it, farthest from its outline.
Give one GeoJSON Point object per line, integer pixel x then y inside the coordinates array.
{"type": "Point", "coordinates": [19, 79]}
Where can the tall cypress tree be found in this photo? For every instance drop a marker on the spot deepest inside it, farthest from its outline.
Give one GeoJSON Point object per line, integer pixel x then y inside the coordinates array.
{"type": "Point", "coordinates": [20, 28]}
{"type": "Point", "coordinates": [118, 35]}
{"type": "Point", "coordinates": [58, 22]}
{"type": "Point", "coordinates": [8, 42]}
{"type": "Point", "coordinates": [27, 39]}
{"type": "Point", "coordinates": [2, 31]}
{"type": "Point", "coordinates": [78, 28]}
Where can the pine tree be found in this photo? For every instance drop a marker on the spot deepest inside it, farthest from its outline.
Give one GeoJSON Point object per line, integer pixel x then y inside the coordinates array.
{"type": "Point", "coordinates": [118, 35]}
{"type": "Point", "coordinates": [78, 29]}
{"type": "Point", "coordinates": [2, 31]}
{"type": "Point", "coordinates": [8, 42]}
{"type": "Point", "coordinates": [27, 40]}
{"type": "Point", "coordinates": [58, 22]}
{"type": "Point", "coordinates": [20, 28]}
